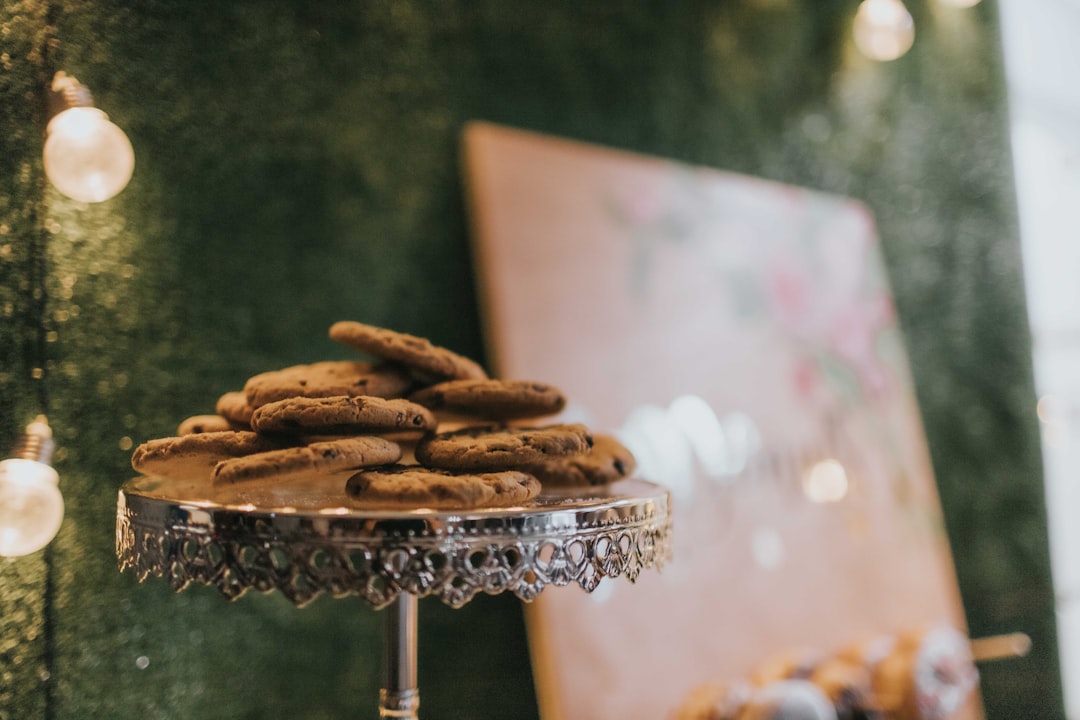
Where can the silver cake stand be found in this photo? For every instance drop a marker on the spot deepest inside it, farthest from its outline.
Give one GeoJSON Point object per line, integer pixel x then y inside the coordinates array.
{"type": "Point", "coordinates": [308, 538]}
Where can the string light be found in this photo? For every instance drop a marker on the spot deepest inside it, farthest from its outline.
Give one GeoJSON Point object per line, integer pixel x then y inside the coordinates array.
{"type": "Point", "coordinates": [87, 157]}
{"type": "Point", "coordinates": [884, 29]}
{"type": "Point", "coordinates": [31, 506]}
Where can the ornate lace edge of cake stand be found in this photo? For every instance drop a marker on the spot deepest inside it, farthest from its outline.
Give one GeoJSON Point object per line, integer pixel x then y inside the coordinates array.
{"type": "Point", "coordinates": [449, 557]}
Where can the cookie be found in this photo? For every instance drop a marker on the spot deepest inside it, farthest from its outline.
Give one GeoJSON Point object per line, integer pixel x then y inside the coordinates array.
{"type": "Point", "coordinates": [205, 424]}
{"type": "Point", "coordinates": [318, 458]}
{"type": "Point", "coordinates": [327, 379]}
{"type": "Point", "coordinates": [606, 462]}
{"type": "Point", "coordinates": [234, 406]}
{"type": "Point", "coordinates": [500, 448]}
{"type": "Point", "coordinates": [342, 416]}
{"type": "Point", "coordinates": [194, 456]}
{"type": "Point", "coordinates": [492, 399]}
{"type": "Point", "coordinates": [430, 362]}
{"type": "Point", "coordinates": [416, 486]}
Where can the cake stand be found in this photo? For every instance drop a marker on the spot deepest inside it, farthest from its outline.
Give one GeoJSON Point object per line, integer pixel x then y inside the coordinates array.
{"type": "Point", "coordinates": [308, 538]}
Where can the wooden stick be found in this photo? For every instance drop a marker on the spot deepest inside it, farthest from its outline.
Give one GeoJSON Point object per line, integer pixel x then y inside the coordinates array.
{"type": "Point", "coordinates": [1000, 647]}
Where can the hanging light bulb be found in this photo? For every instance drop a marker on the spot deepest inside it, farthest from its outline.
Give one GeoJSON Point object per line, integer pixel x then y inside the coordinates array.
{"type": "Point", "coordinates": [31, 506]}
{"type": "Point", "coordinates": [87, 157]}
{"type": "Point", "coordinates": [884, 29]}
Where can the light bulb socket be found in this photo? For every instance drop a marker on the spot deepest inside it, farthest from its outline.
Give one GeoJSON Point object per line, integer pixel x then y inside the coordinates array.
{"type": "Point", "coordinates": [67, 92]}
{"type": "Point", "coordinates": [36, 442]}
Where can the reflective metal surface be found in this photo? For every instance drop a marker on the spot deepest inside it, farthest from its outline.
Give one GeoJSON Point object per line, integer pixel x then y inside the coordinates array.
{"type": "Point", "coordinates": [309, 539]}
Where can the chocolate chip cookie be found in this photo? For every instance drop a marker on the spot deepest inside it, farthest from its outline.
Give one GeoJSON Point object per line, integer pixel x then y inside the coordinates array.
{"type": "Point", "coordinates": [327, 379]}
{"type": "Point", "coordinates": [492, 399]}
{"type": "Point", "coordinates": [207, 423]}
{"type": "Point", "coordinates": [501, 448]}
{"type": "Point", "coordinates": [234, 406]}
{"type": "Point", "coordinates": [428, 361]}
{"type": "Point", "coordinates": [414, 486]}
{"type": "Point", "coordinates": [606, 462]}
{"type": "Point", "coordinates": [194, 456]}
{"type": "Point", "coordinates": [317, 458]}
{"type": "Point", "coordinates": [342, 416]}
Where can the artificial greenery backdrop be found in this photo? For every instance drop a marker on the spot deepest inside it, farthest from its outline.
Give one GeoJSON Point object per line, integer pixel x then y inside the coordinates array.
{"type": "Point", "coordinates": [297, 163]}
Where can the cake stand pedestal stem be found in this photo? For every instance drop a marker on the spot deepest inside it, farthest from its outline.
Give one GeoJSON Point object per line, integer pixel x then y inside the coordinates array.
{"type": "Point", "coordinates": [400, 696]}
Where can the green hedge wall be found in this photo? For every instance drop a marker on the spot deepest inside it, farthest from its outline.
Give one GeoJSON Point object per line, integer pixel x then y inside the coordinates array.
{"type": "Point", "coordinates": [297, 163]}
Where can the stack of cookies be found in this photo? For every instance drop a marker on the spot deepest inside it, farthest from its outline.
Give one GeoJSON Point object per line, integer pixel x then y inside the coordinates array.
{"type": "Point", "coordinates": [420, 426]}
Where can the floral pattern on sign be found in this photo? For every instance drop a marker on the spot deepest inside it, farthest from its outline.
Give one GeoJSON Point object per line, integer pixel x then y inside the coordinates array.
{"type": "Point", "coordinates": [812, 274]}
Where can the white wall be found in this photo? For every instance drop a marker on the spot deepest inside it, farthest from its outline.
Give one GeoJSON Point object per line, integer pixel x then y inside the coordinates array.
{"type": "Point", "coordinates": [1042, 59]}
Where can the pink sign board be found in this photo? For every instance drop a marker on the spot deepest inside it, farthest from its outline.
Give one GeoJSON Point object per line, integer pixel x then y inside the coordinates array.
{"type": "Point", "coordinates": [739, 336]}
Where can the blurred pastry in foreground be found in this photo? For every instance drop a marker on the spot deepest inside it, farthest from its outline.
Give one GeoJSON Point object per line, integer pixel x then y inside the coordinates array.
{"type": "Point", "coordinates": [788, 700]}
{"type": "Point", "coordinates": [922, 675]}
{"type": "Point", "coordinates": [714, 702]}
